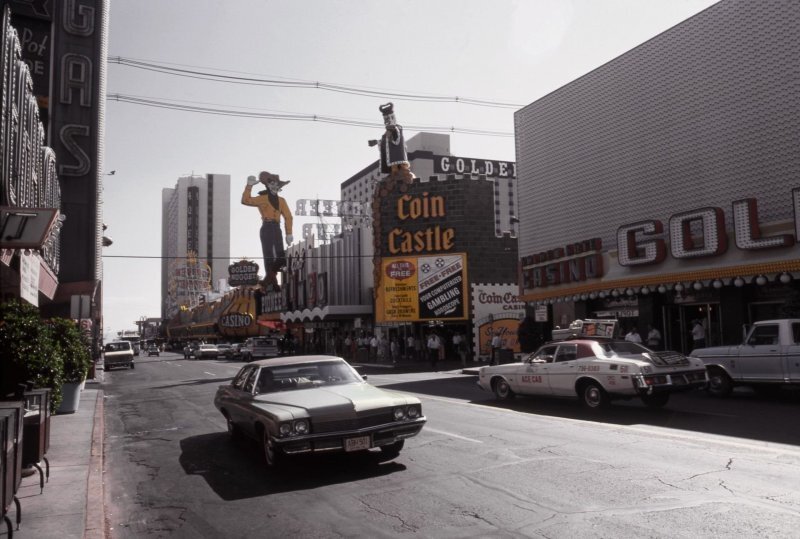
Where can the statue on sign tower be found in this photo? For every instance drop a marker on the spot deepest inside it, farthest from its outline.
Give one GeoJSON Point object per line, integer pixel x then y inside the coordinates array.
{"type": "Point", "coordinates": [271, 207]}
{"type": "Point", "coordinates": [394, 158]}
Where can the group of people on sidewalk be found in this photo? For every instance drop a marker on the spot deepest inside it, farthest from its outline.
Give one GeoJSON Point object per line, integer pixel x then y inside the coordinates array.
{"type": "Point", "coordinates": [653, 340]}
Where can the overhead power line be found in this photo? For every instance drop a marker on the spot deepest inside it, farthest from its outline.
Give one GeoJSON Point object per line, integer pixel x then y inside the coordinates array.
{"type": "Point", "coordinates": [188, 106]}
{"type": "Point", "coordinates": [206, 73]}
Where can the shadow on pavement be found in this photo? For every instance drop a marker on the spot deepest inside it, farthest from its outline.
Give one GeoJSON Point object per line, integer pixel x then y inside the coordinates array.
{"type": "Point", "coordinates": [198, 382]}
{"type": "Point", "coordinates": [745, 414]}
{"type": "Point", "coordinates": [236, 470]}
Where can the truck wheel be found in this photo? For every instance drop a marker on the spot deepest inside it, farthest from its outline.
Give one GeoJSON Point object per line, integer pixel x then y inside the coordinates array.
{"type": "Point", "coordinates": [719, 383]}
{"type": "Point", "coordinates": [656, 400]}
{"type": "Point", "coordinates": [593, 396]}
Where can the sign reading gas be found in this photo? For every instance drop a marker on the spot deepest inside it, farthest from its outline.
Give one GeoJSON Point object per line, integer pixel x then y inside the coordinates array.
{"type": "Point", "coordinates": [431, 239]}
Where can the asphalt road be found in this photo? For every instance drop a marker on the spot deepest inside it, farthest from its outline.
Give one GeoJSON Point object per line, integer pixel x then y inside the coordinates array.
{"type": "Point", "coordinates": [532, 468]}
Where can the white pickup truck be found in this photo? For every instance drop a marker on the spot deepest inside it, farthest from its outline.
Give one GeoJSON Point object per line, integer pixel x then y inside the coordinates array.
{"type": "Point", "coordinates": [768, 358]}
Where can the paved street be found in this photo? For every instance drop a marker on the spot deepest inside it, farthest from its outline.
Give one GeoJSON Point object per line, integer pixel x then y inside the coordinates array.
{"type": "Point", "coordinates": [532, 468]}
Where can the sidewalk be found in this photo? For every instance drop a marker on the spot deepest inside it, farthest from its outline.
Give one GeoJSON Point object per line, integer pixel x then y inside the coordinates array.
{"type": "Point", "coordinates": [71, 504]}
{"type": "Point", "coordinates": [408, 365]}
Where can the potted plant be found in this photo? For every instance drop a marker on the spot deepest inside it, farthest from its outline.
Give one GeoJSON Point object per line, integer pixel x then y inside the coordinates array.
{"type": "Point", "coordinates": [29, 354]}
{"type": "Point", "coordinates": [74, 351]}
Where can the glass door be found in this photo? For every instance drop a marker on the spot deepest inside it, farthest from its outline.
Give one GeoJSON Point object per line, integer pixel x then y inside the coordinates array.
{"type": "Point", "coordinates": [678, 325]}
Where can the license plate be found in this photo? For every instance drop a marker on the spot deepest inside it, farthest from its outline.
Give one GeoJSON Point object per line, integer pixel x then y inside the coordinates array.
{"type": "Point", "coordinates": [356, 444]}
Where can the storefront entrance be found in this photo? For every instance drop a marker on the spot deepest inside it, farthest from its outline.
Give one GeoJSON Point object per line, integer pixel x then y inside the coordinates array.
{"type": "Point", "coordinates": [678, 325]}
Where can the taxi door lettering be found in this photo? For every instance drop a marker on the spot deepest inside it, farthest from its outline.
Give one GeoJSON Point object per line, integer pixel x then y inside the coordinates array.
{"type": "Point", "coordinates": [531, 379]}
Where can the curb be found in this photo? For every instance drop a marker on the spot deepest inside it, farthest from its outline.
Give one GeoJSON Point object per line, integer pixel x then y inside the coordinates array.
{"type": "Point", "coordinates": [95, 503]}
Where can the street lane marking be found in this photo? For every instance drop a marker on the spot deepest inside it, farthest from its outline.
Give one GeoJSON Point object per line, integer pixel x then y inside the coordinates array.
{"type": "Point", "coordinates": [450, 434]}
{"type": "Point", "coordinates": [209, 373]}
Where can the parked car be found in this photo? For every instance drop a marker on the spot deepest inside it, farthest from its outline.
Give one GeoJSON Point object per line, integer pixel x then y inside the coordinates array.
{"type": "Point", "coordinates": [225, 350]}
{"type": "Point", "coordinates": [596, 371]}
{"type": "Point", "coordinates": [206, 351]}
{"type": "Point", "coordinates": [117, 354]}
{"type": "Point", "coordinates": [237, 349]}
{"type": "Point", "coordinates": [315, 404]}
{"type": "Point", "coordinates": [153, 350]}
{"type": "Point", "coordinates": [260, 347]}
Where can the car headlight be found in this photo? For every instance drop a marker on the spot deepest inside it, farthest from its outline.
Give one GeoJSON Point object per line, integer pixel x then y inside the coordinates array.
{"type": "Point", "coordinates": [399, 413]}
{"type": "Point", "coordinates": [285, 429]}
{"type": "Point", "coordinates": [413, 412]}
{"type": "Point", "coordinates": [301, 427]}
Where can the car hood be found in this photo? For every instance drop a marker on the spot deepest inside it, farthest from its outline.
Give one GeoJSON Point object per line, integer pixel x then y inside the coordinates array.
{"type": "Point", "coordinates": [716, 351]}
{"type": "Point", "coordinates": [342, 401]}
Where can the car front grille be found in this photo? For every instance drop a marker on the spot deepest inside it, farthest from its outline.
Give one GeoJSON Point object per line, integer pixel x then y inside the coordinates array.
{"type": "Point", "coordinates": [359, 422]}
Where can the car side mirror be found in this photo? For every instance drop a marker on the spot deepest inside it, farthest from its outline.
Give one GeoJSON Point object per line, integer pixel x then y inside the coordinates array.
{"type": "Point", "coordinates": [364, 377]}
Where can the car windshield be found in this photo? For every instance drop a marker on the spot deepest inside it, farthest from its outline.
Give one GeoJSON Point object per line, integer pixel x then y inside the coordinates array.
{"type": "Point", "coordinates": [620, 348]}
{"type": "Point", "coordinates": [118, 346]}
{"type": "Point", "coordinates": [306, 376]}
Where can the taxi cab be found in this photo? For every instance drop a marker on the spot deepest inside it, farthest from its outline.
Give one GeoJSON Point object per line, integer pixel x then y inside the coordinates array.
{"type": "Point", "coordinates": [596, 370]}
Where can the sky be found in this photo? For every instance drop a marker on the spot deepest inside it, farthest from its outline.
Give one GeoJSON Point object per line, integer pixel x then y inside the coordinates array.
{"type": "Point", "coordinates": [500, 51]}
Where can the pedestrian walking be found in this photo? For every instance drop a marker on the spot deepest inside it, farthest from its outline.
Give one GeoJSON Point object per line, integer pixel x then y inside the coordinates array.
{"type": "Point", "coordinates": [460, 348]}
{"type": "Point", "coordinates": [434, 344]}
{"type": "Point", "coordinates": [653, 338]}
{"type": "Point", "coordinates": [373, 349]}
{"type": "Point", "coordinates": [633, 335]}
{"type": "Point", "coordinates": [411, 347]}
{"type": "Point", "coordinates": [496, 343]}
{"type": "Point", "coordinates": [698, 335]}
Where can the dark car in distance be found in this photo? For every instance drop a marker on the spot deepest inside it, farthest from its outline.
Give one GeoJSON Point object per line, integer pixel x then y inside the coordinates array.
{"type": "Point", "coordinates": [316, 404]}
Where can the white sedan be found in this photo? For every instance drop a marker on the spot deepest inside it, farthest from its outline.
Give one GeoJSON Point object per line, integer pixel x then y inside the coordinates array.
{"type": "Point", "coordinates": [596, 371]}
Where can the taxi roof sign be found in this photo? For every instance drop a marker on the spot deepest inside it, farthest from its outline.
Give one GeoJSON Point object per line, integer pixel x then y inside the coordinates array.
{"type": "Point", "coordinates": [587, 328]}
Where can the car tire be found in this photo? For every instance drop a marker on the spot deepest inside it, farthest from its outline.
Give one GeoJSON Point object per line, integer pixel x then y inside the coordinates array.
{"type": "Point", "coordinates": [233, 431]}
{"type": "Point", "coordinates": [392, 451]}
{"type": "Point", "coordinates": [106, 369]}
{"type": "Point", "coordinates": [502, 390]}
{"type": "Point", "coordinates": [131, 365]}
{"type": "Point", "coordinates": [719, 383]}
{"type": "Point", "coordinates": [656, 400]}
{"type": "Point", "coordinates": [272, 455]}
{"type": "Point", "coordinates": [593, 396]}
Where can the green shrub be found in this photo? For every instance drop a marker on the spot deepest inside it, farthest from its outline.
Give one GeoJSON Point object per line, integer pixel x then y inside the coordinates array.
{"type": "Point", "coordinates": [28, 351]}
{"type": "Point", "coordinates": [73, 347]}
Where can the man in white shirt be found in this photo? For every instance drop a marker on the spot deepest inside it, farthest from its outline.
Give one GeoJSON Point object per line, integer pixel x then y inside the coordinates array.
{"type": "Point", "coordinates": [460, 349]}
{"type": "Point", "coordinates": [633, 336]}
{"type": "Point", "coordinates": [433, 349]}
{"type": "Point", "coordinates": [653, 338]}
{"type": "Point", "coordinates": [411, 348]}
{"type": "Point", "coordinates": [698, 335]}
{"type": "Point", "coordinates": [496, 343]}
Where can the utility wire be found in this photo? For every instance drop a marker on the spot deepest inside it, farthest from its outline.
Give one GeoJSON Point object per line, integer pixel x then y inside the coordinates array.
{"type": "Point", "coordinates": [259, 257]}
{"type": "Point", "coordinates": [204, 74]}
{"type": "Point", "coordinates": [254, 113]}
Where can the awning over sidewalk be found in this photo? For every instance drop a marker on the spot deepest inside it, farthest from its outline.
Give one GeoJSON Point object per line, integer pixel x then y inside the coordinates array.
{"type": "Point", "coordinates": [328, 312]}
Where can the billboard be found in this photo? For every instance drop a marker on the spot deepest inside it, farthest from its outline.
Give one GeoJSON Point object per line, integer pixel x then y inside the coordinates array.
{"type": "Point", "coordinates": [420, 288]}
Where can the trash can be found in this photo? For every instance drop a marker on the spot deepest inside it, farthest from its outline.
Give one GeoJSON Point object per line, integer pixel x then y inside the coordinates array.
{"type": "Point", "coordinates": [505, 355]}
{"type": "Point", "coordinates": [11, 422]}
{"type": "Point", "coordinates": [36, 431]}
